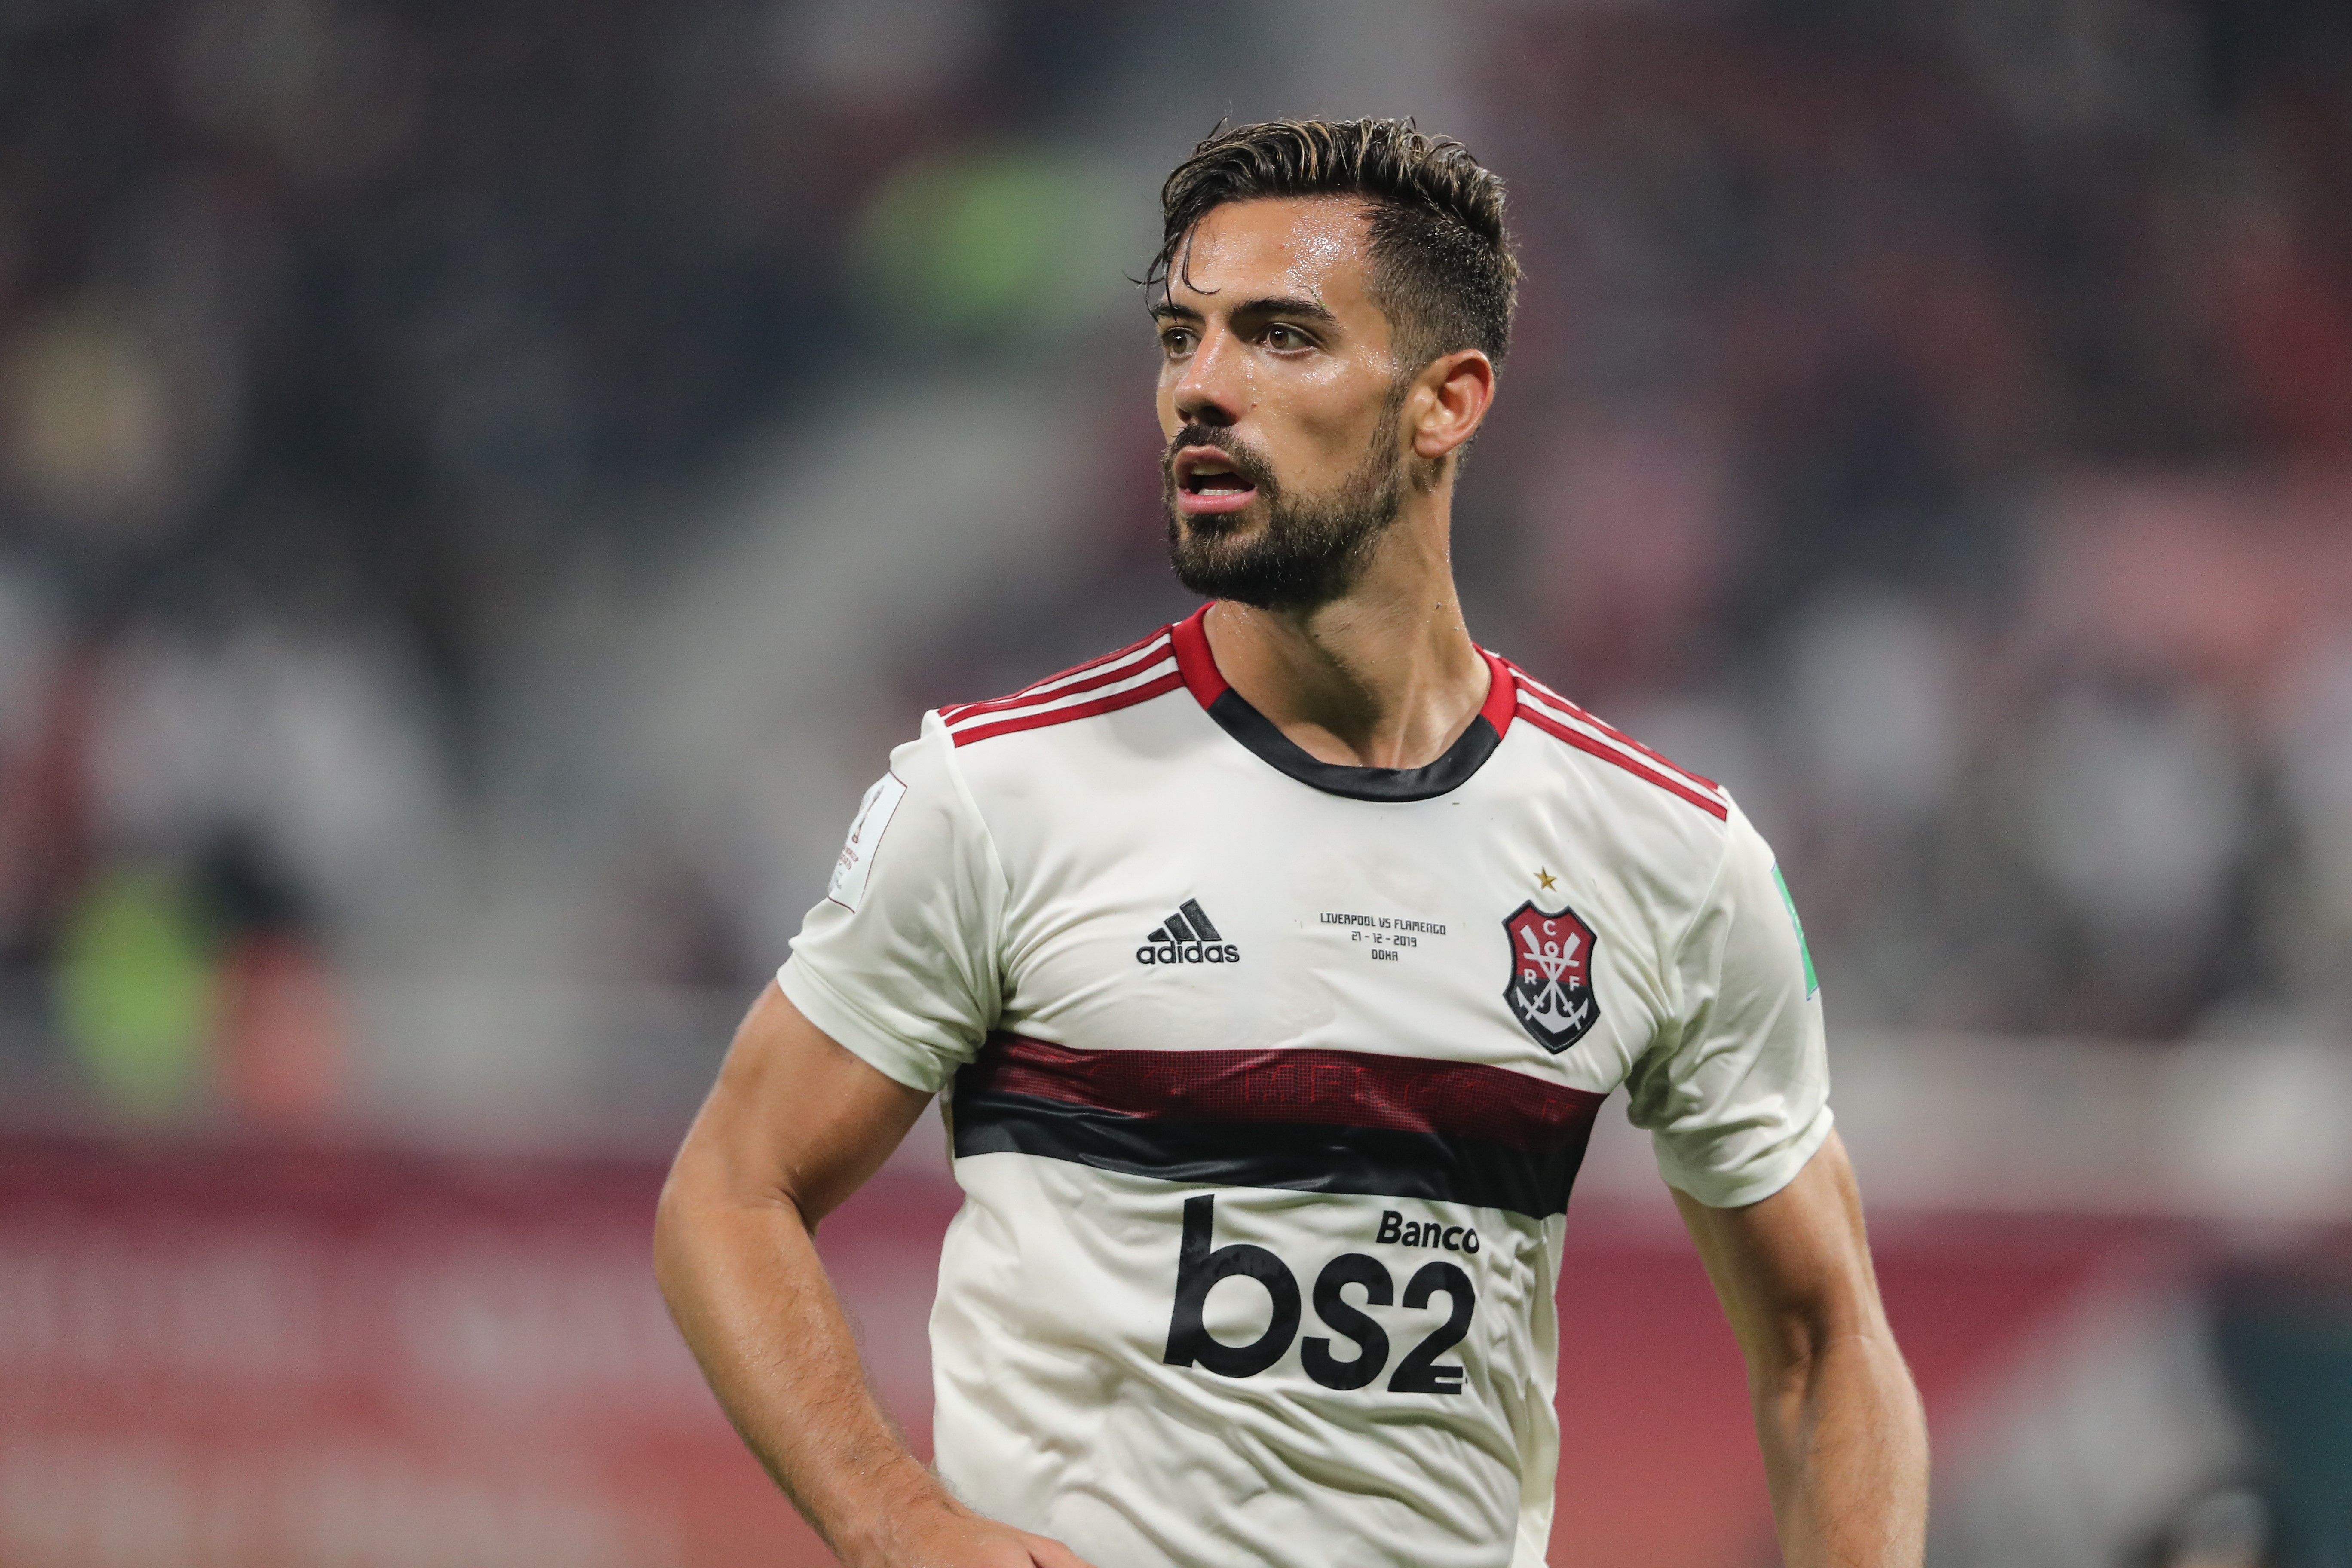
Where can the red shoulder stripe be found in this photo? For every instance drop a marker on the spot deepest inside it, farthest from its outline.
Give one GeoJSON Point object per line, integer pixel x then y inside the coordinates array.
{"type": "Point", "coordinates": [1623, 739]}
{"type": "Point", "coordinates": [1037, 689]}
{"type": "Point", "coordinates": [1038, 718]}
{"type": "Point", "coordinates": [1550, 726]}
{"type": "Point", "coordinates": [1085, 678]}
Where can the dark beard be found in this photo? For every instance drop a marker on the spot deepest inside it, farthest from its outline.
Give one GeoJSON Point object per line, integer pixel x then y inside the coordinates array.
{"type": "Point", "coordinates": [1312, 549]}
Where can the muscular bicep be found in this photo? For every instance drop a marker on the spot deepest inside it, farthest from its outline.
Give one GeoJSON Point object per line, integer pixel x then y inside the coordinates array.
{"type": "Point", "coordinates": [795, 1116]}
{"type": "Point", "coordinates": [1793, 1271]}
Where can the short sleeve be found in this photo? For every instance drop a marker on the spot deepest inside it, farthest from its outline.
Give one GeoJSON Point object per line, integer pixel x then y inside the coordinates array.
{"type": "Point", "coordinates": [899, 962]}
{"type": "Point", "coordinates": [1736, 1100]}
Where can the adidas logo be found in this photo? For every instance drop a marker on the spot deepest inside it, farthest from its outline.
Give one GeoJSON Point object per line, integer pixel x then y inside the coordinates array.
{"type": "Point", "coordinates": [1187, 937]}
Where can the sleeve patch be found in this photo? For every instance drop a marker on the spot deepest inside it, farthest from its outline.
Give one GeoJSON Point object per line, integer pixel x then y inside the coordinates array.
{"type": "Point", "coordinates": [874, 813]}
{"type": "Point", "coordinates": [1812, 981]}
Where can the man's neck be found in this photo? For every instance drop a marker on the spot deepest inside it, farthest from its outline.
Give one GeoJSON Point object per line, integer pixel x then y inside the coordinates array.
{"type": "Point", "coordinates": [1385, 678]}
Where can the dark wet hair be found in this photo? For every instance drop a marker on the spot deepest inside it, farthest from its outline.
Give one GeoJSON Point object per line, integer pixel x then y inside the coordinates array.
{"type": "Point", "coordinates": [1443, 271]}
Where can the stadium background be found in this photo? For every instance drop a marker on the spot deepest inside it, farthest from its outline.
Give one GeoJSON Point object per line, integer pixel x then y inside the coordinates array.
{"type": "Point", "coordinates": [482, 485]}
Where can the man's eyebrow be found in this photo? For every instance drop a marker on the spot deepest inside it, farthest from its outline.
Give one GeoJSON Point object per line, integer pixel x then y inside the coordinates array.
{"type": "Point", "coordinates": [1271, 305]}
{"type": "Point", "coordinates": [1285, 305]}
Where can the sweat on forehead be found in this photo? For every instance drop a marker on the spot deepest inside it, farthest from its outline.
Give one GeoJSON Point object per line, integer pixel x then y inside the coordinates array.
{"type": "Point", "coordinates": [1303, 247]}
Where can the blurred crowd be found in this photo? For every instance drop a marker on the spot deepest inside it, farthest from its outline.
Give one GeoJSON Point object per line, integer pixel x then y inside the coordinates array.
{"type": "Point", "coordinates": [333, 336]}
{"type": "Point", "coordinates": [1933, 420]}
{"type": "Point", "coordinates": [1939, 421]}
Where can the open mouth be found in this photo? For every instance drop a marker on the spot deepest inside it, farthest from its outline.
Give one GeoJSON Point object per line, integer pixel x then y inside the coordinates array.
{"type": "Point", "coordinates": [1207, 481]}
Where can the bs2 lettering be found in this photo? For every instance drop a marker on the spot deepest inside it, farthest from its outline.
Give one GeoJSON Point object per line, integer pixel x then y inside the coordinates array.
{"type": "Point", "coordinates": [1200, 1266]}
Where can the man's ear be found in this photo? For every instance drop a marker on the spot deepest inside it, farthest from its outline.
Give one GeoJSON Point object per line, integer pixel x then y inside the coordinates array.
{"type": "Point", "coordinates": [1458, 389]}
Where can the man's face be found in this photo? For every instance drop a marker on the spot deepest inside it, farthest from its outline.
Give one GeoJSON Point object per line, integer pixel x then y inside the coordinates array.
{"type": "Point", "coordinates": [1280, 401]}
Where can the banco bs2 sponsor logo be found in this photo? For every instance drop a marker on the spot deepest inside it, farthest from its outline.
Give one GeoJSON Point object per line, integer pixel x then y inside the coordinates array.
{"type": "Point", "coordinates": [1201, 1265]}
{"type": "Point", "coordinates": [1187, 937]}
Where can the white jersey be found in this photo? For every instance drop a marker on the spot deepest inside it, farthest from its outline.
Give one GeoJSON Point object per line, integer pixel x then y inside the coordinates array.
{"type": "Point", "coordinates": [1267, 1079]}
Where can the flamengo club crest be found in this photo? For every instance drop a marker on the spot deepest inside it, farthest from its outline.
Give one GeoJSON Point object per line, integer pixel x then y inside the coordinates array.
{"type": "Point", "coordinates": [1550, 991]}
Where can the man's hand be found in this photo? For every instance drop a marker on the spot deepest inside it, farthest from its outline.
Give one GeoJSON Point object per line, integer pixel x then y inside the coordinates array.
{"type": "Point", "coordinates": [794, 1125]}
{"type": "Point", "coordinates": [1844, 1439]}
{"type": "Point", "coordinates": [957, 1538]}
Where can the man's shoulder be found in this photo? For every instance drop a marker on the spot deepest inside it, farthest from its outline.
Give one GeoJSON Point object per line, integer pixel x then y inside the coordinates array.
{"type": "Point", "coordinates": [1637, 774]}
{"type": "Point", "coordinates": [1125, 678]}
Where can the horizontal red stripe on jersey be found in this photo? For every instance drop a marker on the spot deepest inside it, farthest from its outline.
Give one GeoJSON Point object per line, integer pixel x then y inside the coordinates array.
{"type": "Point", "coordinates": [1298, 1086]}
{"type": "Point", "coordinates": [1038, 718]}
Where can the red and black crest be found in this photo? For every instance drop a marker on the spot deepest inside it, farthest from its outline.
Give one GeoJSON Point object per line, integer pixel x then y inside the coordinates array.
{"type": "Point", "coordinates": [1550, 991]}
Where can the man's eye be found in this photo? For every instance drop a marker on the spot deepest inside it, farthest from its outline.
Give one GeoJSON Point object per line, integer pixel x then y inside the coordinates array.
{"type": "Point", "coordinates": [1176, 341]}
{"type": "Point", "coordinates": [1282, 337]}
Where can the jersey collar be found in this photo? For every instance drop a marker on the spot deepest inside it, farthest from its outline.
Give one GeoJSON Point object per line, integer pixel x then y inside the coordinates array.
{"type": "Point", "coordinates": [1256, 732]}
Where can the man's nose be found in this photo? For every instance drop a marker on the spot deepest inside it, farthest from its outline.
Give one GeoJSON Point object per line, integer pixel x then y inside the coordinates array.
{"type": "Point", "coordinates": [1212, 390]}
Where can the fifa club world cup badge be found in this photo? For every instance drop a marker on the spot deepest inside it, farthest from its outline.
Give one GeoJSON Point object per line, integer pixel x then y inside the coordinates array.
{"type": "Point", "coordinates": [1550, 991]}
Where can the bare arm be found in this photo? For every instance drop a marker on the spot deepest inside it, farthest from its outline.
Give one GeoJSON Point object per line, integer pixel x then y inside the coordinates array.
{"type": "Point", "coordinates": [1844, 1439]}
{"type": "Point", "coordinates": [794, 1125]}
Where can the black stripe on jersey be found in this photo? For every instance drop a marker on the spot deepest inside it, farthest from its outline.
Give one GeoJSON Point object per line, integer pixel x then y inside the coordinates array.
{"type": "Point", "coordinates": [1311, 1120]}
{"type": "Point", "coordinates": [1191, 910]}
{"type": "Point", "coordinates": [1376, 1161]}
{"type": "Point", "coordinates": [1450, 772]}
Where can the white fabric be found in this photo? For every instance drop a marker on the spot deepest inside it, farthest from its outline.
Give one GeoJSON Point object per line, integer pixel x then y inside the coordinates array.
{"type": "Point", "coordinates": [1017, 879]}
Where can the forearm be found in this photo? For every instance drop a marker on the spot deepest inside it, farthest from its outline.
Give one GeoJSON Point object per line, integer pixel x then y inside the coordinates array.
{"type": "Point", "coordinates": [1845, 1440]}
{"type": "Point", "coordinates": [1845, 1455]}
{"type": "Point", "coordinates": [749, 1295]}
